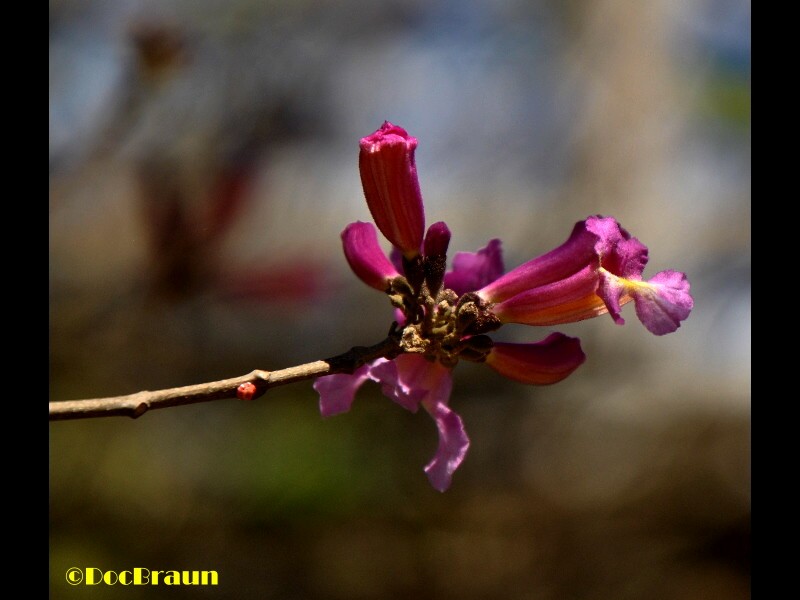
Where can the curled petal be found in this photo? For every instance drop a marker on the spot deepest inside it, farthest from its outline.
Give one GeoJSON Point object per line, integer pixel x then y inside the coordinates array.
{"type": "Point", "coordinates": [608, 231]}
{"type": "Point", "coordinates": [622, 267]}
{"type": "Point", "coordinates": [663, 302]}
{"type": "Point", "coordinates": [474, 270]}
{"type": "Point", "coordinates": [430, 376]}
{"type": "Point", "coordinates": [627, 258]}
{"type": "Point", "coordinates": [453, 446]}
{"type": "Point", "coordinates": [391, 187]}
{"type": "Point", "coordinates": [410, 379]}
{"type": "Point", "coordinates": [365, 256]}
{"type": "Point", "coordinates": [590, 240]}
{"type": "Point", "coordinates": [336, 392]}
{"type": "Point", "coordinates": [403, 379]}
{"type": "Point", "coordinates": [541, 363]}
{"type": "Point", "coordinates": [612, 290]}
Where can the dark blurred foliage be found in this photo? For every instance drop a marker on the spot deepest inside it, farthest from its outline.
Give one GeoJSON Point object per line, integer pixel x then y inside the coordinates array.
{"type": "Point", "coordinates": [202, 165]}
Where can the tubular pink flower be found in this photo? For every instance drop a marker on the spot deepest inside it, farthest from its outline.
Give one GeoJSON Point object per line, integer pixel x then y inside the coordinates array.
{"type": "Point", "coordinates": [590, 239]}
{"type": "Point", "coordinates": [540, 363]}
{"type": "Point", "coordinates": [596, 271]}
{"type": "Point", "coordinates": [365, 256]}
{"type": "Point", "coordinates": [391, 187]}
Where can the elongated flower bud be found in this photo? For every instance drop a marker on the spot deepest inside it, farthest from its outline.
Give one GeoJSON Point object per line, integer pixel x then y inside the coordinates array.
{"type": "Point", "coordinates": [389, 178]}
{"type": "Point", "coordinates": [436, 242]}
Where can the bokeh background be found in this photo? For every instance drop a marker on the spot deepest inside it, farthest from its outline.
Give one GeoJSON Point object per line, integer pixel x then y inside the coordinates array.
{"type": "Point", "coordinates": [203, 161]}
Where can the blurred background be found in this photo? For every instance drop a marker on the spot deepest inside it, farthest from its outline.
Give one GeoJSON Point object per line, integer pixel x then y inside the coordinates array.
{"type": "Point", "coordinates": [203, 162]}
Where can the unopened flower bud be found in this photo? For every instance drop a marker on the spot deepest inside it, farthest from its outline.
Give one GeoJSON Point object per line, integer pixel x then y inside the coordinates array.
{"type": "Point", "coordinates": [389, 178]}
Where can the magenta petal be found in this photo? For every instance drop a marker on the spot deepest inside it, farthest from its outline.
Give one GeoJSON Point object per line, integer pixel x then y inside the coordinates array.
{"type": "Point", "coordinates": [541, 363]}
{"type": "Point", "coordinates": [431, 376]}
{"type": "Point", "coordinates": [609, 233]}
{"type": "Point", "coordinates": [402, 379]}
{"type": "Point", "coordinates": [453, 446]}
{"type": "Point", "coordinates": [473, 270]}
{"type": "Point", "coordinates": [663, 302]}
{"type": "Point", "coordinates": [622, 265]}
{"type": "Point", "coordinates": [365, 256]}
{"type": "Point", "coordinates": [612, 290]}
{"type": "Point", "coordinates": [627, 258]}
{"type": "Point", "coordinates": [336, 392]}
{"type": "Point", "coordinates": [410, 379]}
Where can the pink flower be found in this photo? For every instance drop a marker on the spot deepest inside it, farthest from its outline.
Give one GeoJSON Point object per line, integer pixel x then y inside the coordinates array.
{"type": "Point", "coordinates": [445, 316]}
{"type": "Point", "coordinates": [596, 271]}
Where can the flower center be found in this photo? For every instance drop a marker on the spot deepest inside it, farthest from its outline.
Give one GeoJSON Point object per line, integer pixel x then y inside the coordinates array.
{"type": "Point", "coordinates": [443, 326]}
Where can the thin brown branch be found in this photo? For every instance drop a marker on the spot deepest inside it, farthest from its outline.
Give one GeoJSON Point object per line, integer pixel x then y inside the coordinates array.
{"type": "Point", "coordinates": [135, 405]}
